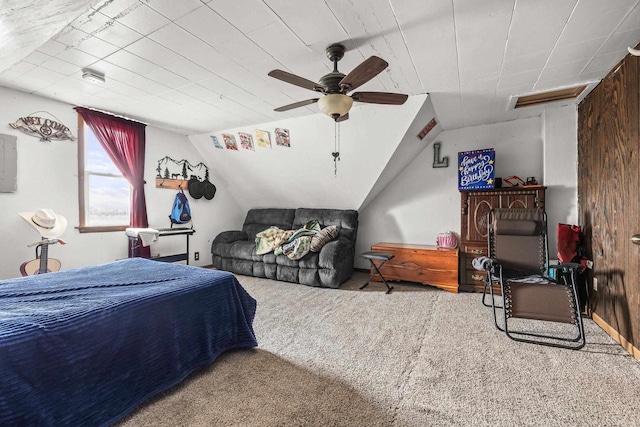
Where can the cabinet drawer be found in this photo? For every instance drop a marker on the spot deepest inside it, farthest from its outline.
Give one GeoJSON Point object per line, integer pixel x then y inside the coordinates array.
{"type": "Point", "coordinates": [475, 282]}
{"type": "Point", "coordinates": [475, 277]}
{"type": "Point", "coordinates": [473, 251]}
{"type": "Point", "coordinates": [470, 252]}
{"type": "Point", "coordinates": [469, 262]}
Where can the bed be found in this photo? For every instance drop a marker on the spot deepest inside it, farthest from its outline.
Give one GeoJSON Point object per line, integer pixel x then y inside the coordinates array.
{"type": "Point", "coordinates": [86, 346]}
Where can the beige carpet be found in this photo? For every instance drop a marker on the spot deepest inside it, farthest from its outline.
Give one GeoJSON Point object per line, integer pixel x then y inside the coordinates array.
{"type": "Point", "coordinates": [416, 357]}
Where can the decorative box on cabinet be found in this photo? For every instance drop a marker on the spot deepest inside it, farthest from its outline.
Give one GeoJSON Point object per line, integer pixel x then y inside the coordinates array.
{"type": "Point", "coordinates": [475, 205]}
{"type": "Point", "coordinates": [426, 264]}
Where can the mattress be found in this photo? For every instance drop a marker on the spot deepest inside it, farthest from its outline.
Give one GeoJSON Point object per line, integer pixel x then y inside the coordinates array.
{"type": "Point", "coordinates": [86, 346]}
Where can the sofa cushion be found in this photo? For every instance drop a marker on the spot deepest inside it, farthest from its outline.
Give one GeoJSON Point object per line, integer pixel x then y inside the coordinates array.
{"type": "Point", "coordinates": [230, 236]}
{"type": "Point", "coordinates": [284, 260]}
{"type": "Point", "coordinates": [323, 237]}
{"type": "Point", "coordinates": [242, 266]}
{"type": "Point", "coordinates": [221, 249]}
{"type": "Point", "coordinates": [258, 220]}
{"type": "Point", "coordinates": [287, 274]}
{"type": "Point", "coordinates": [269, 258]}
{"type": "Point", "coordinates": [310, 260]}
{"type": "Point", "coordinates": [242, 250]}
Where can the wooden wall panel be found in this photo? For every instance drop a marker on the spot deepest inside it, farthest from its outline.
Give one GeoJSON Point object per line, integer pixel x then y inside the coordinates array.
{"type": "Point", "coordinates": [608, 195]}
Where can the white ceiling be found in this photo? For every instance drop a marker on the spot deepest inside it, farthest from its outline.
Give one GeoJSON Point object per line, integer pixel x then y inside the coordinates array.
{"type": "Point", "coordinates": [194, 66]}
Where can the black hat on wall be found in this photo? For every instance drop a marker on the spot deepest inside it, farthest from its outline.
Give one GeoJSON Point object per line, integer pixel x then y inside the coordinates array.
{"type": "Point", "coordinates": [196, 188]}
{"type": "Point", "coordinates": [209, 190]}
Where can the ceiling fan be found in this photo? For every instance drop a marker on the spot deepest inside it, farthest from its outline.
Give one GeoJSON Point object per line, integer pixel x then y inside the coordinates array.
{"type": "Point", "coordinates": [335, 86]}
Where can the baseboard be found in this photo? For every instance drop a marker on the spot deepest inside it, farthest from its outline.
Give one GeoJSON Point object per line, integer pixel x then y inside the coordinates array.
{"type": "Point", "coordinates": [616, 336]}
{"type": "Point", "coordinates": [361, 270]}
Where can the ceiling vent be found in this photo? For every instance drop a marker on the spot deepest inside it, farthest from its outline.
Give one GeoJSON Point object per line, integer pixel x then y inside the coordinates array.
{"type": "Point", "coordinates": [570, 95]}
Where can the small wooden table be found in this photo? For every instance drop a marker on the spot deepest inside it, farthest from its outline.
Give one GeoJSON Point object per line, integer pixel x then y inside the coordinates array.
{"type": "Point", "coordinates": [426, 264]}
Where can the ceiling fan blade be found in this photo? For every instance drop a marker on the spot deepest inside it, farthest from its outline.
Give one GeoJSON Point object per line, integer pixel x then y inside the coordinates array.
{"type": "Point", "coordinates": [364, 72]}
{"type": "Point", "coordinates": [343, 118]}
{"type": "Point", "coordinates": [295, 80]}
{"type": "Point", "coordinates": [296, 105]}
{"type": "Point", "coordinates": [380, 97]}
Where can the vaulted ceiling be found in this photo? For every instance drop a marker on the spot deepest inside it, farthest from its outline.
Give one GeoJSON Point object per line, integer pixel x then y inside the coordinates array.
{"type": "Point", "coordinates": [195, 66]}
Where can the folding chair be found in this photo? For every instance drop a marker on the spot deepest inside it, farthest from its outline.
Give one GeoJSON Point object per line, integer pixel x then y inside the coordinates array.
{"type": "Point", "coordinates": [381, 257]}
{"type": "Point", "coordinates": [517, 263]}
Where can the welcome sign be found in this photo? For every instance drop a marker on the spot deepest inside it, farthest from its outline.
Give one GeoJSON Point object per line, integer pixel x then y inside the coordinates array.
{"type": "Point", "coordinates": [476, 169]}
{"type": "Point", "coordinates": [46, 129]}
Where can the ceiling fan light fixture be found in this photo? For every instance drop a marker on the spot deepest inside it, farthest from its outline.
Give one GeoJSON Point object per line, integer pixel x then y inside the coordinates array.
{"type": "Point", "coordinates": [335, 86]}
{"type": "Point", "coordinates": [335, 105]}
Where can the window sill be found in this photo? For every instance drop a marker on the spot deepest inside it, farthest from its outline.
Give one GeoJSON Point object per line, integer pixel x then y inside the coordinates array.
{"type": "Point", "coordinates": [102, 229]}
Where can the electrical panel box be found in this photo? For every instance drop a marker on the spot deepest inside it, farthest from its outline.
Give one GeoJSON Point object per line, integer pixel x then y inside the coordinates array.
{"type": "Point", "coordinates": [8, 163]}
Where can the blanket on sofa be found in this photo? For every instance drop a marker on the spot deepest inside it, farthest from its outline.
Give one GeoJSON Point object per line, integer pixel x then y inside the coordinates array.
{"type": "Point", "coordinates": [269, 239]}
{"type": "Point", "coordinates": [293, 243]}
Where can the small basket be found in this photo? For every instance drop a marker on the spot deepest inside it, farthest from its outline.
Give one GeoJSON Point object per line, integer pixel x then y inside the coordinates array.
{"type": "Point", "coordinates": [447, 240]}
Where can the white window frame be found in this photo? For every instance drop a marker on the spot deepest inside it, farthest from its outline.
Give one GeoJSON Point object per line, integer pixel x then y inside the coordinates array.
{"type": "Point", "coordinates": [83, 186]}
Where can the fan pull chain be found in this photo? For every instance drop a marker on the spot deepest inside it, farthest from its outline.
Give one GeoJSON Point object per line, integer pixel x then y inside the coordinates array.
{"type": "Point", "coordinates": [336, 147]}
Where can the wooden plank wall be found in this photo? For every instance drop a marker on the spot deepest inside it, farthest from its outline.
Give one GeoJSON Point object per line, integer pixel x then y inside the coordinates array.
{"type": "Point", "coordinates": [609, 194]}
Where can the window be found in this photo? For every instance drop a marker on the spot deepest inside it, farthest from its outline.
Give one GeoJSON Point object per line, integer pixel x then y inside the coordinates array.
{"type": "Point", "coordinates": [105, 195]}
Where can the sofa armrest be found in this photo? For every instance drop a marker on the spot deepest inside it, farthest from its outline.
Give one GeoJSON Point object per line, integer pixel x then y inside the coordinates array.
{"type": "Point", "coordinates": [336, 254]}
{"type": "Point", "coordinates": [230, 236]}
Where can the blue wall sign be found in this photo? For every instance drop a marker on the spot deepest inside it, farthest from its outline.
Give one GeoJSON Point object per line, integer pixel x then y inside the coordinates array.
{"type": "Point", "coordinates": [476, 169]}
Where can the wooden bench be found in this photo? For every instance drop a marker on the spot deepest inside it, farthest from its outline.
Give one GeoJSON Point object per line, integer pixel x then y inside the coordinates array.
{"type": "Point", "coordinates": [426, 264]}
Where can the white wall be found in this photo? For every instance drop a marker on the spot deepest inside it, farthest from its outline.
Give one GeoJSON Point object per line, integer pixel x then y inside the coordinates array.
{"type": "Point", "coordinates": [47, 178]}
{"type": "Point", "coordinates": [303, 175]}
{"type": "Point", "coordinates": [423, 201]}
{"type": "Point", "coordinates": [209, 216]}
{"type": "Point", "coordinates": [560, 169]}
{"type": "Point", "coordinates": [407, 150]}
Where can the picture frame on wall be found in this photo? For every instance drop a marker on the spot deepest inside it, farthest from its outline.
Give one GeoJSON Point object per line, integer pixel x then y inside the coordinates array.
{"type": "Point", "coordinates": [476, 169]}
{"type": "Point", "coordinates": [263, 138]}
{"type": "Point", "coordinates": [216, 143]}
{"type": "Point", "coordinates": [230, 141]}
{"type": "Point", "coordinates": [246, 141]}
{"type": "Point", "coordinates": [282, 137]}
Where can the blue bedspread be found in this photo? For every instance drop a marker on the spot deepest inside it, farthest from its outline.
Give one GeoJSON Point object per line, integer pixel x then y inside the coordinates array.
{"type": "Point", "coordinates": [86, 346]}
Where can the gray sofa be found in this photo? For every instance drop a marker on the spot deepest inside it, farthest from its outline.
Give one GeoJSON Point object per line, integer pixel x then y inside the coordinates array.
{"type": "Point", "coordinates": [235, 251]}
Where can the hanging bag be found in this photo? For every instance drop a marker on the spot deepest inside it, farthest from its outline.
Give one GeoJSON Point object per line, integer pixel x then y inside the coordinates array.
{"type": "Point", "coordinates": [181, 212]}
{"type": "Point", "coordinates": [569, 243]}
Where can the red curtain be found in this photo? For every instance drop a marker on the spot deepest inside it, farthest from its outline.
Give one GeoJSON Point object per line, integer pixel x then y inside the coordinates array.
{"type": "Point", "coordinates": [124, 142]}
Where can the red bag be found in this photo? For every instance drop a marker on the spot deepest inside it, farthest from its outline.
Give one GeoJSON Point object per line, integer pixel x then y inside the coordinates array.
{"type": "Point", "coordinates": [569, 244]}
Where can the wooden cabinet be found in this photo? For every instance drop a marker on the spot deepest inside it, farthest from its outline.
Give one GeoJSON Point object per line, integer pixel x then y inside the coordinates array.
{"type": "Point", "coordinates": [426, 264]}
{"type": "Point", "coordinates": [475, 205]}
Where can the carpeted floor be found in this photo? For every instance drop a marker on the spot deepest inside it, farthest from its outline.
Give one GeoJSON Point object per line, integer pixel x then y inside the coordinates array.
{"type": "Point", "coordinates": [417, 357]}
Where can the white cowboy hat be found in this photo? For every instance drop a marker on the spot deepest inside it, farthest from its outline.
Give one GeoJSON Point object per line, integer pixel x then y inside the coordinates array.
{"type": "Point", "coordinates": [46, 222]}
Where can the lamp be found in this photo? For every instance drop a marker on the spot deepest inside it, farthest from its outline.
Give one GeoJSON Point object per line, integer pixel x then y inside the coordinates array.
{"type": "Point", "coordinates": [93, 76]}
{"type": "Point", "coordinates": [335, 105]}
